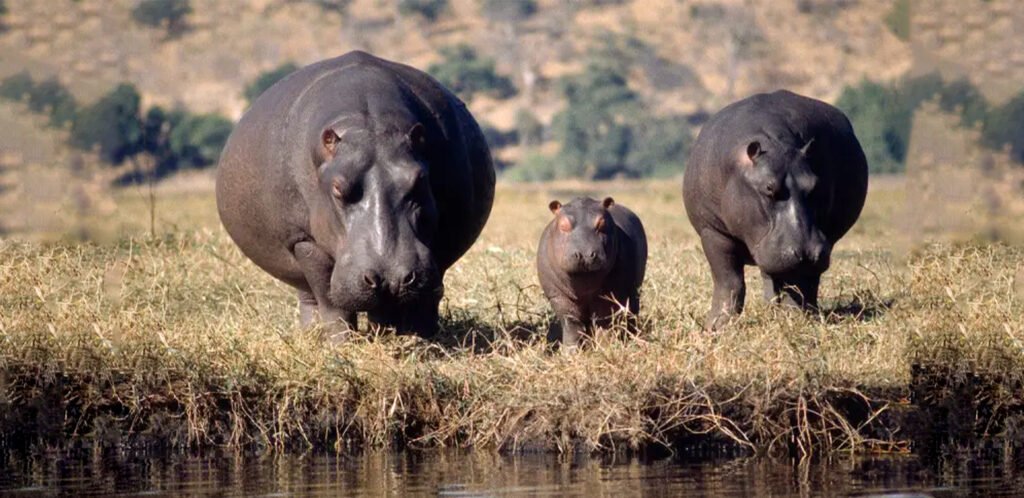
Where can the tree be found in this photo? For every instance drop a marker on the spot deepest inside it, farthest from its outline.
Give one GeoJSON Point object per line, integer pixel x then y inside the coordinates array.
{"type": "Point", "coordinates": [53, 98]}
{"type": "Point", "coordinates": [267, 79]}
{"type": "Point", "coordinates": [466, 73]}
{"type": "Point", "coordinates": [1004, 126]}
{"type": "Point", "coordinates": [169, 14]}
{"type": "Point", "coordinates": [428, 9]}
{"type": "Point", "coordinates": [508, 10]}
{"type": "Point", "coordinates": [16, 86]}
{"type": "Point", "coordinates": [112, 124]}
{"type": "Point", "coordinates": [529, 129]}
{"type": "Point", "coordinates": [197, 140]}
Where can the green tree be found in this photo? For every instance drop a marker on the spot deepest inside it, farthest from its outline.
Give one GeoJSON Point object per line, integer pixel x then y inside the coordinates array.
{"type": "Point", "coordinates": [53, 98]}
{"type": "Point", "coordinates": [17, 86]}
{"type": "Point", "coordinates": [595, 127]}
{"type": "Point", "coordinates": [1004, 126]}
{"type": "Point", "coordinates": [529, 129]}
{"type": "Point", "coordinates": [169, 14]}
{"type": "Point", "coordinates": [267, 79]}
{"type": "Point", "coordinates": [508, 10]}
{"type": "Point", "coordinates": [428, 9]}
{"type": "Point", "coordinates": [197, 140]}
{"type": "Point", "coordinates": [659, 148]}
{"type": "Point", "coordinates": [112, 124]}
{"type": "Point", "coordinates": [898, 19]}
{"type": "Point", "coordinates": [466, 73]}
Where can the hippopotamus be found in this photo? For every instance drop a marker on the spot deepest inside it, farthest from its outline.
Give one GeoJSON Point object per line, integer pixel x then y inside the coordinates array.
{"type": "Point", "coordinates": [591, 262]}
{"type": "Point", "coordinates": [359, 182]}
{"type": "Point", "coordinates": [773, 180]}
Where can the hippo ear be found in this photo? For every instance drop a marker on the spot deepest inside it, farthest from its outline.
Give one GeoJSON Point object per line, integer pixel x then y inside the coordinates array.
{"type": "Point", "coordinates": [608, 202]}
{"type": "Point", "coordinates": [417, 137]}
{"type": "Point", "coordinates": [329, 139]}
{"type": "Point", "coordinates": [555, 206]}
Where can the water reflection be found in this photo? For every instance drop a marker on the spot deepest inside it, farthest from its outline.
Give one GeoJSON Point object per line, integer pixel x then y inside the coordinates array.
{"type": "Point", "coordinates": [452, 473]}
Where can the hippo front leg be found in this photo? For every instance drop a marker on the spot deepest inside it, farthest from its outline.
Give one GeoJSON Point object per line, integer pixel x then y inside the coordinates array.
{"type": "Point", "coordinates": [316, 266]}
{"type": "Point", "coordinates": [724, 255]}
{"type": "Point", "coordinates": [792, 290]}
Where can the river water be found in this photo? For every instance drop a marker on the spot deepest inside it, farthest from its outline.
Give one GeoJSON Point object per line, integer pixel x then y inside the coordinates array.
{"type": "Point", "coordinates": [453, 473]}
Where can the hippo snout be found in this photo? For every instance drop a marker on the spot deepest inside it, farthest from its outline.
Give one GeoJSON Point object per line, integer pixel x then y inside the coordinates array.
{"type": "Point", "coordinates": [364, 290]}
{"type": "Point", "coordinates": [585, 261]}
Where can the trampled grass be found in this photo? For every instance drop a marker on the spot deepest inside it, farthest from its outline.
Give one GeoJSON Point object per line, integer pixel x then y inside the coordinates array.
{"type": "Point", "coordinates": [178, 340]}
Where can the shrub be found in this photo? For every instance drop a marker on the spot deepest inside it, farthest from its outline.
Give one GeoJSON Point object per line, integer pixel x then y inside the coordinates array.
{"type": "Point", "coordinates": [508, 10]}
{"type": "Point", "coordinates": [267, 79]}
{"type": "Point", "coordinates": [167, 13]}
{"type": "Point", "coordinates": [466, 73]}
{"type": "Point", "coordinates": [428, 9]}
{"type": "Point", "coordinates": [660, 147]}
{"type": "Point", "coordinates": [533, 167]}
{"type": "Point", "coordinates": [898, 19]}
{"type": "Point", "coordinates": [529, 129]}
{"type": "Point", "coordinates": [197, 140]}
{"type": "Point", "coordinates": [16, 86]}
{"type": "Point", "coordinates": [112, 124]}
{"type": "Point", "coordinates": [1004, 126]}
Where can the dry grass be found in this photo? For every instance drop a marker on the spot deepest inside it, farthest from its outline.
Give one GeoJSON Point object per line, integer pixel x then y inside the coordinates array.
{"type": "Point", "coordinates": [179, 340]}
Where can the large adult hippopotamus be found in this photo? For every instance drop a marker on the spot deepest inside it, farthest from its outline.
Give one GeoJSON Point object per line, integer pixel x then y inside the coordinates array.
{"type": "Point", "coordinates": [359, 182]}
{"type": "Point", "coordinates": [773, 180]}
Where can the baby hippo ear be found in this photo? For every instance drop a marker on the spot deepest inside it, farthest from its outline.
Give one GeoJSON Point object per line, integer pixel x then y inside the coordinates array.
{"type": "Point", "coordinates": [329, 139]}
{"type": "Point", "coordinates": [555, 206]}
{"type": "Point", "coordinates": [608, 202]}
{"type": "Point", "coordinates": [417, 137]}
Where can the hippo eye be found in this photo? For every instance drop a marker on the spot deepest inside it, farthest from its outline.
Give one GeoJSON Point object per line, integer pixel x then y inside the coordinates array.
{"type": "Point", "coordinates": [599, 225]}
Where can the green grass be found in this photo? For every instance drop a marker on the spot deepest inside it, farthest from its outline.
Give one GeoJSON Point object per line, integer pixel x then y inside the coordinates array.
{"type": "Point", "coordinates": [178, 340]}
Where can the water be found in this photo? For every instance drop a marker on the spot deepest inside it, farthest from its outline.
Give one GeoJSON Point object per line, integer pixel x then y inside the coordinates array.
{"type": "Point", "coordinates": [450, 473]}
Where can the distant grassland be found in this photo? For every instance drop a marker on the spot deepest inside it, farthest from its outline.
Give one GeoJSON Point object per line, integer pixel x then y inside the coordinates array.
{"type": "Point", "coordinates": [178, 340]}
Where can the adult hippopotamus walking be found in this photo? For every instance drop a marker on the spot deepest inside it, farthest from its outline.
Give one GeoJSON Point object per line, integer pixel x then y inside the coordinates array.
{"type": "Point", "coordinates": [773, 180]}
{"type": "Point", "coordinates": [359, 182]}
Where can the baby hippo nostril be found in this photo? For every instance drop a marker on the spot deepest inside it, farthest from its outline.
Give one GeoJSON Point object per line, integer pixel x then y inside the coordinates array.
{"type": "Point", "coordinates": [593, 255]}
{"type": "Point", "coordinates": [409, 279]}
{"type": "Point", "coordinates": [577, 255]}
{"type": "Point", "coordinates": [371, 280]}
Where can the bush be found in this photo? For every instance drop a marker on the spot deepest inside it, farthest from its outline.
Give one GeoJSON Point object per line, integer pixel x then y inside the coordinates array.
{"type": "Point", "coordinates": [1004, 126]}
{"type": "Point", "coordinates": [533, 167]}
{"type": "Point", "coordinates": [167, 13]}
{"type": "Point", "coordinates": [112, 124]}
{"type": "Point", "coordinates": [267, 79]}
{"type": "Point", "coordinates": [466, 73]}
{"type": "Point", "coordinates": [660, 147]}
{"type": "Point", "coordinates": [508, 10]}
{"type": "Point", "coordinates": [197, 140]}
{"type": "Point", "coordinates": [529, 129]}
{"type": "Point", "coordinates": [428, 9]}
{"type": "Point", "coordinates": [16, 86]}
{"type": "Point", "coordinates": [53, 98]}
{"type": "Point", "coordinates": [898, 19]}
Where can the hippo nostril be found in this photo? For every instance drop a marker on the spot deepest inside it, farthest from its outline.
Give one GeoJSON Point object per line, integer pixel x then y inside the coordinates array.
{"type": "Point", "coordinates": [371, 280]}
{"type": "Point", "coordinates": [409, 279]}
{"type": "Point", "coordinates": [577, 255]}
{"type": "Point", "coordinates": [593, 254]}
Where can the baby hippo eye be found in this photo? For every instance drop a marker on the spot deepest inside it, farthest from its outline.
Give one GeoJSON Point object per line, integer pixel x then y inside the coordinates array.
{"type": "Point", "coordinates": [599, 224]}
{"type": "Point", "coordinates": [564, 224]}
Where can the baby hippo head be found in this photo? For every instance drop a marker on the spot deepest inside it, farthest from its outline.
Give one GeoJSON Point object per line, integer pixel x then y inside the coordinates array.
{"type": "Point", "coordinates": [582, 238]}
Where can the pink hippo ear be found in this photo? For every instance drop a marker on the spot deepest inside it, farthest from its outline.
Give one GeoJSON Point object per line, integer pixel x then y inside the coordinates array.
{"type": "Point", "coordinates": [329, 139]}
{"type": "Point", "coordinates": [417, 137]}
{"type": "Point", "coordinates": [555, 206]}
{"type": "Point", "coordinates": [608, 202]}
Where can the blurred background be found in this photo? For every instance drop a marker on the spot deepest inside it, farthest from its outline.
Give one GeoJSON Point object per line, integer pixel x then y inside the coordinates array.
{"type": "Point", "coordinates": [107, 103]}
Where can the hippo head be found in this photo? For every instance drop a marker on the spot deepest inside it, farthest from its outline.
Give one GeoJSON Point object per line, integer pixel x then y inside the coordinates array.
{"type": "Point", "coordinates": [774, 204]}
{"type": "Point", "coordinates": [378, 202]}
{"type": "Point", "coordinates": [582, 241]}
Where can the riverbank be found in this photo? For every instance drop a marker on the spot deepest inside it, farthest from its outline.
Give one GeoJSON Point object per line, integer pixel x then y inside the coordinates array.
{"type": "Point", "coordinates": [176, 340]}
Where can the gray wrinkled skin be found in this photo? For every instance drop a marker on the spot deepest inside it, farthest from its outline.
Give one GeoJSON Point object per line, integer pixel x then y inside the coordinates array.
{"type": "Point", "coordinates": [359, 182]}
{"type": "Point", "coordinates": [590, 261]}
{"type": "Point", "coordinates": [773, 180]}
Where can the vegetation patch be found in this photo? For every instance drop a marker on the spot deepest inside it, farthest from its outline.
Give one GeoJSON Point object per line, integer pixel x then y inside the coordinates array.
{"type": "Point", "coordinates": [177, 340]}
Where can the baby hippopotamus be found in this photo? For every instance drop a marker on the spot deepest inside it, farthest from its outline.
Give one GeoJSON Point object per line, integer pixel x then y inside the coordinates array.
{"type": "Point", "coordinates": [591, 262]}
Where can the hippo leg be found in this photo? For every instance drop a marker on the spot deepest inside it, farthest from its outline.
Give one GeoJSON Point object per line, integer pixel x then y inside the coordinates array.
{"type": "Point", "coordinates": [572, 328]}
{"type": "Point", "coordinates": [316, 266]}
{"type": "Point", "coordinates": [307, 308]}
{"type": "Point", "coordinates": [792, 290]}
{"type": "Point", "coordinates": [725, 258]}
